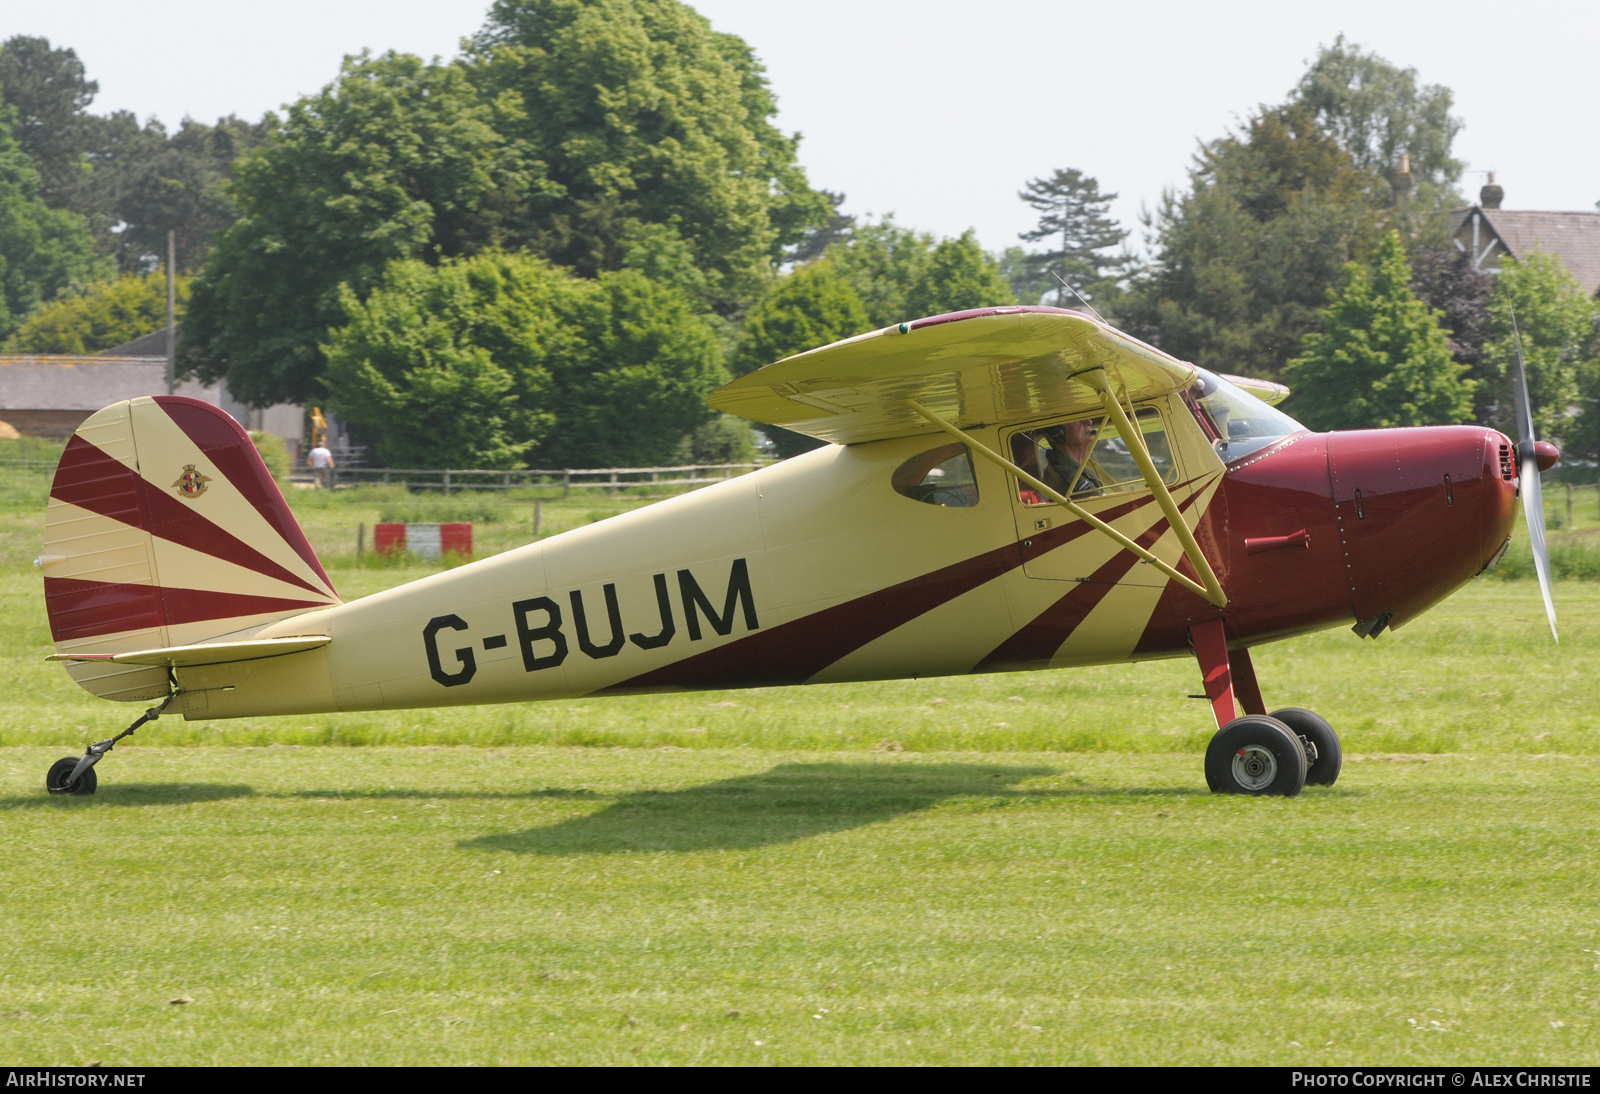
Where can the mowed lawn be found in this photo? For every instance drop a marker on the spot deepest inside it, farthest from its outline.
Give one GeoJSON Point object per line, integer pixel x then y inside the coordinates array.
{"type": "Point", "coordinates": [1000, 869]}
{"type": "Point", "coordinates": [568, 905]}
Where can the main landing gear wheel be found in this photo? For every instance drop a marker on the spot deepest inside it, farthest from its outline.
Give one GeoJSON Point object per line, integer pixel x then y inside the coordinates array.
{"type": "Point", "coordinates": [1255, 755]}
{"type": "Point", "coordinates": [1324, 757]}
{"type": "Point", "coordinates": [55, 780]}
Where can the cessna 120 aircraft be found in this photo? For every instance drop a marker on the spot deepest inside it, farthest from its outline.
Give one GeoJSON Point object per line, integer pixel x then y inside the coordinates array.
{"type": "Point", "coordinates": [1007, 488]}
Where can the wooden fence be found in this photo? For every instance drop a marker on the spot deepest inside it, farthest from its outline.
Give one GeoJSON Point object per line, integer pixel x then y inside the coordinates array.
{"type": "Point", "coordinates": [613, 480]}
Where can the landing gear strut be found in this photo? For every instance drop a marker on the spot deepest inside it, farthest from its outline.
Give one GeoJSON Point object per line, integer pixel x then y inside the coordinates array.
{"type": "Point", "coordinates": [1258, 753]}
{"type": "Point", "coordinates": [75, 775]}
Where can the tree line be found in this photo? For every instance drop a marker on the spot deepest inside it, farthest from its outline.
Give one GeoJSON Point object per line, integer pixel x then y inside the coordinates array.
{"type": "Point", "coordinates": [548, 250]}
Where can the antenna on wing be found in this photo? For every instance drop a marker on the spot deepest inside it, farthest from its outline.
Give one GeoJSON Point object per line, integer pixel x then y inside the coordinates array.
{"type": "Point", "coordinates": [1079, 295]}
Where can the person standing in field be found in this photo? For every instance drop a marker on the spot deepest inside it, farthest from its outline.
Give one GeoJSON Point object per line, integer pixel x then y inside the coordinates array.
{"type": "Point", "coordinates": [320, 460]}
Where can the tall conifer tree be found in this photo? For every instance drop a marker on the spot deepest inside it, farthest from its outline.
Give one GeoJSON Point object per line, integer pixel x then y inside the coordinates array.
{"type": "Point", "coordinates": [1073, 218]}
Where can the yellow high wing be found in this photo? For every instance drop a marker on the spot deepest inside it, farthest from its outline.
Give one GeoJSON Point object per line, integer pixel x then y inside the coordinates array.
{"type": "Point", "coordinates": [971, 369]}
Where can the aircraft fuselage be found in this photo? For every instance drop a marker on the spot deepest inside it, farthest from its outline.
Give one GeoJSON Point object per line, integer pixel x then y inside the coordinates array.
{"type": "Point", "coordinates": [819, 569]}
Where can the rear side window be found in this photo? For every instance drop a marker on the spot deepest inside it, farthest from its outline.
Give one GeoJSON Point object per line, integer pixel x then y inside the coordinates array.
{"type": "Point", "coordinates": [939, 476]}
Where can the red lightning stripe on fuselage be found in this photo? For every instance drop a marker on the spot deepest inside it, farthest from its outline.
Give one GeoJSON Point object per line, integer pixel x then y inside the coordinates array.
{"type": "Point", "coordinates": [1037, 642]}
{"type": "Point", "coordinates": [794, 652]}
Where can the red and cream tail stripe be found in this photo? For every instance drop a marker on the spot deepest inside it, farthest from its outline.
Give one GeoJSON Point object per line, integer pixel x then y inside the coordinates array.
{"type": "Point", "coordinates": [164, 529]}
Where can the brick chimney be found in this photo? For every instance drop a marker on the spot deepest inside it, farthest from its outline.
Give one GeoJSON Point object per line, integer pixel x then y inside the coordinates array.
{"type": "Point", "coordinates": [1491, 195]}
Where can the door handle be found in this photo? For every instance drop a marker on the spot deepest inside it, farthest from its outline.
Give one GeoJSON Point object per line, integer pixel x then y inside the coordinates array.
{"type": "Point", "coordinates": [1254, 545]}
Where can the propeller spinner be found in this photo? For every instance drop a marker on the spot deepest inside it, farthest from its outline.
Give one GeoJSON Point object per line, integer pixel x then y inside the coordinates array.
{"type": "Point", "coordinates": [1533, 457]}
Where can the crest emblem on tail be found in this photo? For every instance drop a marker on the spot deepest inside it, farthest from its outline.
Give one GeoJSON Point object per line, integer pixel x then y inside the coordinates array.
{"type": "Point", "coordinates": [191, 484]}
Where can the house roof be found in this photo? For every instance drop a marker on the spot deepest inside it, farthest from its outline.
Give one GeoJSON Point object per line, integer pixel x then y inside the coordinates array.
{"type": "Point", "coordinates": [68, 382]}
{"type": "Point", "coordinates": [1573, 236]}
{"type": "Point", "coordinates": [153, 344]}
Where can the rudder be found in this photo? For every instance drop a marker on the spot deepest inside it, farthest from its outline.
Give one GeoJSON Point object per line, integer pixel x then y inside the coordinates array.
{"type": "Point", "coordinates": [164, 529]}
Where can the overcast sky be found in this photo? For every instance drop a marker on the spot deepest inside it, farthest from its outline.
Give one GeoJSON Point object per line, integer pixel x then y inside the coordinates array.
{"type": "Point", "coordinates": [939, 111]}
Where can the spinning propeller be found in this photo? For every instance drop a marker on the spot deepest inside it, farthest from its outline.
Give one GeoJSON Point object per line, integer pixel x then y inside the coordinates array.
{"type": "Point", "coordinates": [1533, 457]}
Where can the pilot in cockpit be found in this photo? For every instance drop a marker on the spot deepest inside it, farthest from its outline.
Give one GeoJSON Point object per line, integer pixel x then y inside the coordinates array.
{"type": "Point", "coordinates": [1053, 454]}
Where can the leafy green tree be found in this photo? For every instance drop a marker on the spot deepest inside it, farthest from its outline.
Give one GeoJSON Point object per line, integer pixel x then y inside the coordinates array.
{"type": "Point", "coordinates": [79, 156]}
{"type": "Point", "coordinates": [901, 274]}
{"type": "Point", "coordinates": [635, 110]}
{"type": "Point", "coordinates": [1382, 359]}
{"type": "Point", "coordinates": [102, 315]}
{"type": "Point", "coordinates": [837, 228]}
{"type": "Point", "coordinates": [811, 307]}
{"type": "Point", "coordinates": [883, 261]}
{"type": "Point", "coordinates": [131, 182]}
{"type": "Point", "coordinates": [1074, 219]}
{"type": "Point", "coordinates": [395, 159]}
{"type": "Point", "coordinates": [50, 92]}
{"type": "Point", "coordinates": [274, 453]}
{"type": "Point", "coordinates": [496, 359]}
{"type": "Point", "coordinates": [724, 439]}
{"type": "Point", "coordinates": [576, 130]}
{"type": "Point", "coordinates": [445, 366]}
{"type": "Point", "coordinates": [1244, 260]}
{"type": "Point", "coordinates": [178, 183]}
{"type": "Point", "coordinates": [1376, 111]}
{"type": "Point", "coordinates": [1029, 284]}
{"type": "Point", "coordinates": [660, 252]}
{"type": "Point", "coordinates": [958, 276]}
{"type": "Point", "coordinates": [1447, 281]}
{"type": "Point", "coordinates": [1557, 323]}
{"type": "Point", "coordinates": [43, 251]}
{"type": "Point", "coordinates": [632, 380]}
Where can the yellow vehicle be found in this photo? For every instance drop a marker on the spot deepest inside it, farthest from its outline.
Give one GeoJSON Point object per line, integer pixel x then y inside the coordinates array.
{"type": "Point", "coordinates": [1009, 488]}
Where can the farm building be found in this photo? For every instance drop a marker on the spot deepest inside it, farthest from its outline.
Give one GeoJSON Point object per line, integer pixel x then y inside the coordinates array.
{"type": "Point", "coordinates": [50, 394]}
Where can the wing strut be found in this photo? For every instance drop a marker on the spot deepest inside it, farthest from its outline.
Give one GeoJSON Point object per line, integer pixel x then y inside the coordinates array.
{"type": "Point", "coordinates": [1211, 591]}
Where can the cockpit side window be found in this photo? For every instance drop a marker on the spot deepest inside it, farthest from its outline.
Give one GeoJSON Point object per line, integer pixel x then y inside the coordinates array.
{"type": "Point", "coordinates": [939, 476]}
{"type": "Point", "coordinates": [1090, 454]}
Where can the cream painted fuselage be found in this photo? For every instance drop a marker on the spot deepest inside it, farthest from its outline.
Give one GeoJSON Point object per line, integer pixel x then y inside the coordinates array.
{"type": "Point", "coordinates": [814, 569]}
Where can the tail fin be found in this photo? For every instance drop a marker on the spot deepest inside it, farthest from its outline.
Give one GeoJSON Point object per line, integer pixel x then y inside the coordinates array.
{"type": "Point", "coordinates": [164, 529]}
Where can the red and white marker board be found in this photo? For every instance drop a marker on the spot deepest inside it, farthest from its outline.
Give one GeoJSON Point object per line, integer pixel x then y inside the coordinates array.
{"type": "Point", "coordinates": [429, 541]}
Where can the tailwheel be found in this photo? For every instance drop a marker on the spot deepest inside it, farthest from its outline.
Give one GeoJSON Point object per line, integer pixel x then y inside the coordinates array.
{"type": "Point", "coordinates": [56, 782]}
{"type": "Point", "coordinates": [1256, 755]}
{"type": "Point", "coordinates": [75, 774]}
{"type": "Point", "coordinates": [1324, 757]}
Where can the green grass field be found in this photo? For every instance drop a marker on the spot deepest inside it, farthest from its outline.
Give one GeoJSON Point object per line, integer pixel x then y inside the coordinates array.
{"type": "Point", "coordinates": [1002, 869]}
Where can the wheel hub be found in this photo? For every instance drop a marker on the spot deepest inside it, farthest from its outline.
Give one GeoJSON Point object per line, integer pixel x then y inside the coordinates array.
{"type": "Point", "coordinates": [1254, 767]}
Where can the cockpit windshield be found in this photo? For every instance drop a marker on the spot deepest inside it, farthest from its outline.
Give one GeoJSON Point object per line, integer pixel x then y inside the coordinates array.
{"type": "Point", "coordinates": [1240, 423]}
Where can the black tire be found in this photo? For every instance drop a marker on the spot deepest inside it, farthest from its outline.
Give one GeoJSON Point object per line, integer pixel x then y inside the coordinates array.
{"type": "Point", "coordinates": [1255, 755]}
{"type": "Point", "coordinates": [55, 780]}
{"type": "Point", "coordinates": [1315, 728]}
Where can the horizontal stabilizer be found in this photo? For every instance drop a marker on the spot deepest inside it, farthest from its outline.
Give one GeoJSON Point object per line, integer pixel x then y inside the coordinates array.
{"type": "Point", "coordinates": [204, 653]}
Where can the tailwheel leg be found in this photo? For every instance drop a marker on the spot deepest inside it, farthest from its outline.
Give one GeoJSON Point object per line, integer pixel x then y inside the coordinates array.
{"type": "Point", "coordinates": [75, 774]}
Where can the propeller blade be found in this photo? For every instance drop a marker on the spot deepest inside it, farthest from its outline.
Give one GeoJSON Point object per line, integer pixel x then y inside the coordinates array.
{"type": "Point", "coordinates": [1528, 485]}
{"type": "Point", "coordinates": [1533, 512]}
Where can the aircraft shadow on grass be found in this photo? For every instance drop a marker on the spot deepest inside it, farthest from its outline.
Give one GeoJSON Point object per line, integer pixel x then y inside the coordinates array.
{"type": "Point", "coordinates": [424, 794]}
{"type": "Point", "coordinates": [788, 802]}
{"type": "Point", "coordinates": [138, 794]}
